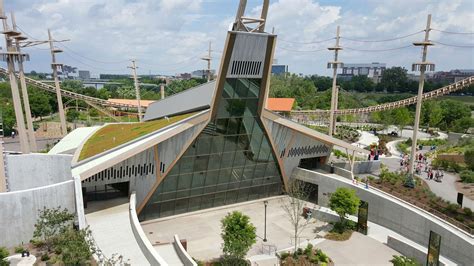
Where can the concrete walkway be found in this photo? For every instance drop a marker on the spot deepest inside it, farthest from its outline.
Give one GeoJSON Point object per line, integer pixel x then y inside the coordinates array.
{"type": "Point", "coordinates": [112, 231]}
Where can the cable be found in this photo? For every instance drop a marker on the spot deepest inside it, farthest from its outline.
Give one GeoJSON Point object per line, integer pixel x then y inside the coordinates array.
{"type": "Point", "coordinates": [91, 66]}
{"type": "Point", "coordinates": [27, 34]}
{"type": "Point", "coordinates": [454, 45]}
{"type": "Point", "coordinates": [378, 50]}
{"type": "Point", "coordinates": [385, 40]}
{"type": "Point", "coordinates": [91, 59]}
{"type": "Point", "coordinates": [321, 41]}
{"type": "Point", "coordinates": [452, 32]}
{"type": "Point", "coordinates": [300, 51]}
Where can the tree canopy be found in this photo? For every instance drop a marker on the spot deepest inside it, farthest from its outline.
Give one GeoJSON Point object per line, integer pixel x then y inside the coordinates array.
{"type": "Point", "coordinates": [238, 234]}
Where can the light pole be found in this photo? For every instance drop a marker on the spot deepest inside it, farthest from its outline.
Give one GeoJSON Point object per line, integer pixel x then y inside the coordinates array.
{"type": "Point", "coordinates": [265, 226]}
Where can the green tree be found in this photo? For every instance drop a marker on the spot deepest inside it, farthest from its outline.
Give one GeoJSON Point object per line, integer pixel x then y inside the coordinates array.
{"type": "Point", "coordinates": [51, 223]}
{"type": "Point", "coordinates": [401, 117]}
{"type": "Point", "coordinates": [463, 124]}
{"type": "Point", "coordinates": [238, 234]}
{"type": "Point", "coordinates": [452, 111]}
{"type": "Point", "coordinates": [39, 103]}
{"type": "Point", "coordinates": [394, 79]}
{"type": "Point", "coordinates": [72, 115]}
{"type": "Point", "coordinates": [344, 201]}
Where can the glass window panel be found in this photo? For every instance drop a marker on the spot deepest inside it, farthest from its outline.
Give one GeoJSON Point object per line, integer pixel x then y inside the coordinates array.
{"type": "Point", "coordinates": [247, 125]}
{"type": "Point", "coordinates": [236, 174]}
{"type": "Point", "coordinates": [233, 126]}
{"type": "Point", "coordinates": [200, 163]}
{"type": "Point", "coordinates": [241, 88]}
{"type": "Point", "coordinates": [231, 196]}
{"type": "Point", "coordinates": [271, 169]}
{"type": "Point", "coordinates": [214, 161]}
{"type": "Point", "coordinates": [221, 125]}
{"type": "Point", "coordinates": [194, 204]}
{"type": "Point", "coordinates": [229, 86]}
{"type": "Point", "coordinates": [182, 193]}
{"type": "Point", "coordinates": [191, 150]}
{"type": "Point", "coordinates": [248, 172]}
{"type": "Point", "coordinates": [207, 201]}
{"type": "Point", "coordinates": [211, 177]}
{"type": "Point", "coordinates": [224, 109]}
{"type": "Point", "coordinates": [251, 107]}
{"type": "Point", "coordinates": [196, 191]}
{"type": "Point", "coordinates": [235, 107]}
{"type": "Point", "coordinates": [244, 142]}
{"type": "Point", "coordinates": [260, 170]}
{"type": "Point", "coordinates": [170, 183]}
{"type": "Point", "coordinates": [239, 158]}
{"type": "Point", "coordinates": [219, 199]}
{"type": "Point", "coordinates": [198, 179]}
{"type": "Point", "coordinates": [181, 206]}
{"type": "Point", "coordinates": [227, 159]}
{"type": "Point", "coordinates": [230, 143]}
{"type": "Point", "coordinates": [243, 195]}
{"type": "Point", "coordinates": [225, 176]}
{"type": "Point", "coordinates": [217, 144]}
{"type": "Point", "coordinates": [184, 181]}
{"type": "Point", "coordinates": [186, 165]}
{"type": "Point", "coordinates": [254, 89]}
{"type": "Point", "coordinates": [233, 184]}
{"type": "Point", "coordinates": [204, 146]}
{"type": "Point", "coordinates": [221, 187]}
{"type": "Point", "coordinates": [168, 195]}
{"type": "Point", "coordinates": [257, 181]}
{"type": "Point", "coordinates": [174, 170]}
{"type": "Point", "coordinates": [167, 208]}
{"type": "Point", "coordinates": [255, 192]}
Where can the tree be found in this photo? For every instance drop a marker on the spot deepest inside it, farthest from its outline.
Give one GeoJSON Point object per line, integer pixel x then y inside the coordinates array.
{"type": "Point", "coordinates": [72, 115]}
{"type": "Point", "coordinates": [344, 201]}
{"type": "Point", "coordinates": [401, 117]}
{"type": "Point", "coordinates": [51, 223]}
{"type": "Point", "coordinates": [463, 124]}
{"type": "Point", "coordinates": [452, 111]}
{"type": "Point", "coordinates": [394, 79]}
{"type": "Point", "coordinates": [74, 246]}
{"type": "Point", "coordinates": [39, 103]}
{"type": "Point", "coordinates": [238, 235]}
{"type": "Point", "coordinates": [298, 194]}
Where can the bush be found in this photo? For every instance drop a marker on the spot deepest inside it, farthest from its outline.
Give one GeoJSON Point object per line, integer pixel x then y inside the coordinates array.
{"type": "Point", "coordinates": [467, 176]}
{"type": "Point", "coordinates": [469, 158]}
{"type": "Point", "coordinates": [45, 257]}
{"type": "Point", "coordinates": [19, 249]}
{"type": "Point", "coordinates": [403, 261]}
{"type": "Point", "coordinates": [238, 234]}
{"type": "Point", "coordinates": [3, 253]}
{"type": "Point", "coordinates": [467, 211]}
{"type": "Point", "coordinates": [344, 201]}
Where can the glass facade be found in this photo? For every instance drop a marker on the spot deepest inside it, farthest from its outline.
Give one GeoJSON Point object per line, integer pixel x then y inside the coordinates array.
{"type": "Point", "coordinates": [230, 161]}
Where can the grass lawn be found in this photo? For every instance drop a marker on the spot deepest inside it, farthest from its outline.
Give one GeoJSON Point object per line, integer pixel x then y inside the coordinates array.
{"type": "Point", "coordinates": [113, 135]}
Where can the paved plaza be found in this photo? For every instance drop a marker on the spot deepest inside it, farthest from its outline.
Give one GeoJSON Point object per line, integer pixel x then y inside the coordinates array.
{"type": "Point", "coordinates": [202, 232]}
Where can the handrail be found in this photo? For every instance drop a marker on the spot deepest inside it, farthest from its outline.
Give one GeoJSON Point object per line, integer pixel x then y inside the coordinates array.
{"type": "Point", "coordinates": [456, 86]}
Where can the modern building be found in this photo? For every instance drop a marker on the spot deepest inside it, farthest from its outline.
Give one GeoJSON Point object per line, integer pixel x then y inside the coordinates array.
{"type": "Point", "coordinates": [208, 146]}
{"type": "Point", "coordinates": [450, 76]}
{"type": "Point", "coordinates": [202, 73]}
{"type": "Point", "coordinates": [279, 69]}
{"type": "Point", "coordinates": [84, 74]}
{"type": "Point", "coordinates": [373, 71]}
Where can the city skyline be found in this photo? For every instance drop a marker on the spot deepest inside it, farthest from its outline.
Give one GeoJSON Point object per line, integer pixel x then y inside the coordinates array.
{"type": "Point", "coordinates": [170, 37]}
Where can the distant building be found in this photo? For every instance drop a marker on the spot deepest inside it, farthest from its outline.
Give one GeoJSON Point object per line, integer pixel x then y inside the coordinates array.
{"type": "Point", "coordinates": [84, 74]}
{"type": "Point", "coordinates": [373, 71]}
{"type": "Point", "coordinates": [184, 76]}
{"type": "Point", "coordinates": [279, 69]}
{"type": "Point", "coordinates": [450, 76]}
{"type": "Point", "coordinates": [202, 74]}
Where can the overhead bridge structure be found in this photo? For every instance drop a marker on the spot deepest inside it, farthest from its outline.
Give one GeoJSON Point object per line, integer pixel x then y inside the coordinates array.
{"type": "Point", "coordinates": [462, 84]}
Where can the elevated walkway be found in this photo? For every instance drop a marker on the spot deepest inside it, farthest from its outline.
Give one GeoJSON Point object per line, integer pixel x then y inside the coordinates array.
{"type": "Point", "coordinates": [112, 231]}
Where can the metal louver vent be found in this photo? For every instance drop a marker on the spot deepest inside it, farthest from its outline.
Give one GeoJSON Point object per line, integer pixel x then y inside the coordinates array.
{"type": "Point", "coordinates": [246, 68]}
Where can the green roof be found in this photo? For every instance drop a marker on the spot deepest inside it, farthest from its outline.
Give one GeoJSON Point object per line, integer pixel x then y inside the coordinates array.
{"type": "Point", "coordinates": [113, 135]}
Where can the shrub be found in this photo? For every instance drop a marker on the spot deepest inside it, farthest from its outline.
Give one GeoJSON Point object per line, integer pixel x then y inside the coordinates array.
{"type": "Point", "coordinates": [299, 251]}
{"type": "Point", "coordinates": [344, 201]}
{"type": "Point", "coordinates": [467, 211]}
{"type": "Point", "coordinates": [403, 261]}
{"type": "Point", "coordinates": [3, 253]}
{"type": "Point", "coordinates": [284, 255]}
{"type": "Point", "coordinates": [469, 158]}
{"type": "Point", "coordinates": [467, 176]}
{"type": "Point", "coordinates": [19, 249]}
{"type": "Point", "coordinates": [452, 207]}
{"type": "Point", "coordinates": [45, 257]}
{"type": "Point", "coordinates": [308, 250]}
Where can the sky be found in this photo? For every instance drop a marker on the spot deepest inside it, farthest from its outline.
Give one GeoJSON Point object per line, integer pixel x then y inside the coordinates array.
{"type": "Point", "coordinates": [170, 36]}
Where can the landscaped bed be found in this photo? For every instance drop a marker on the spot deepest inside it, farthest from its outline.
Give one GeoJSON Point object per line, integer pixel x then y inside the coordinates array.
{"type": "Point", "coordinates": [422, 197]}
{"type": "Point", "coordinates": [113, 135]}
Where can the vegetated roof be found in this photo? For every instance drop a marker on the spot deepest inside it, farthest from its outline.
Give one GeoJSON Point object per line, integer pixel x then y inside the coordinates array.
{"type": "Point", "coordinates": [280, 104]}
{"type": "Point", "coordinates": [143, 103]}
{"type": "Point", "coordinates": [113, 135]}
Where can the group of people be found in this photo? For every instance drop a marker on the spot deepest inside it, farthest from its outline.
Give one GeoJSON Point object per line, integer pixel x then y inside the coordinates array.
{"type": "Point", "coordinates": [422, 164]}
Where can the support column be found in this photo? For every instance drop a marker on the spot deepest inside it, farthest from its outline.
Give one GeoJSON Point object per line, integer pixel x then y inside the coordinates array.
{"type": "Point", "coordinates": [137, 88]}
{"type": "Point", "coordinates": [423, 66]}
{"type": "Point", "coordinates": [3, 178]}
{"type": "Point", "coordinates": [334, 65]}
{"type": "Point", "coordinates": [59, 98]}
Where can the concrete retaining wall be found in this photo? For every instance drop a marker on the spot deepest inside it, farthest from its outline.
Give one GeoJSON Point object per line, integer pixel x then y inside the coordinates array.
{"type": "Point", "coordinates": [148, 250]}
{"type": "Point", "coordinates": [19, 210]}
{"type": "Point", "coordinates": [361, 167]}
{"type": "Point", "coordinates": [403, 218]}
{"type": "Point", "coordinates": [408, 250]}
{"type": "Point", "coordinates": [183, 255]}
{"type": "Point", "coordinates": [37, 170]}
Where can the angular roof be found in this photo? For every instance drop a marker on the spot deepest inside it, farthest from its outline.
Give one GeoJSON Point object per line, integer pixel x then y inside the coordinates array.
{"type": "Point", "coordinates": [280, 104]}
{"type": "Point", "coordinates": [194, 99]}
